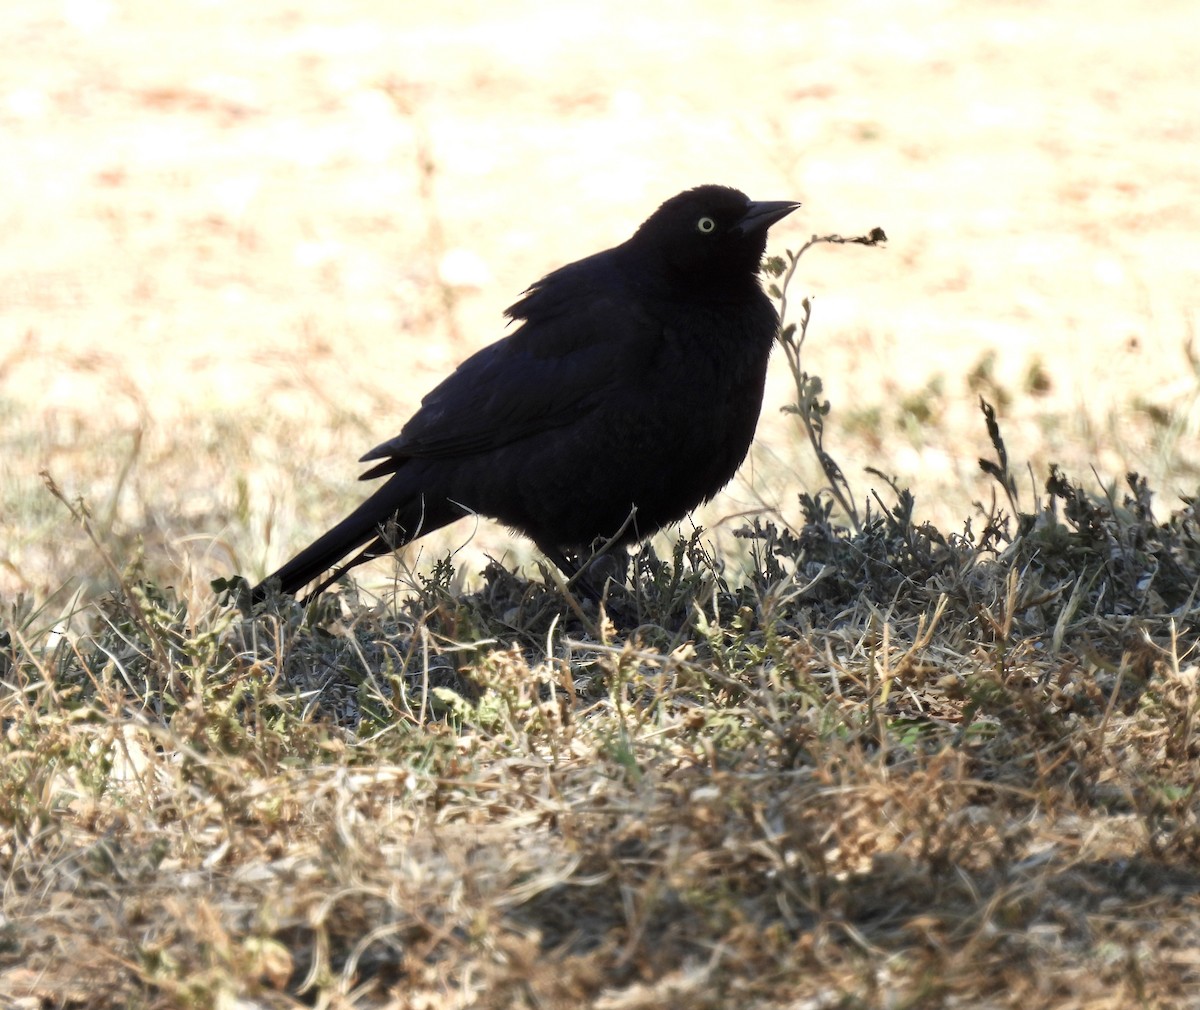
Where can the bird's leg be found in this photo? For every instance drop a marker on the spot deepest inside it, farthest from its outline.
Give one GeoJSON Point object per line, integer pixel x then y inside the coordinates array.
{"type": "Point", "coordinates": [605, 563]}
{"type": "Point", "coordinates": [608, 563]}
{"type": "Point", "coordinates": [562, 561]}
{"type": "Point", "coordinates": [609, 560]}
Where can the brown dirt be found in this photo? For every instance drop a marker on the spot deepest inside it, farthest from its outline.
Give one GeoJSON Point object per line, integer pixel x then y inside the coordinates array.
{"type": "Point", "coordinates": [239, 241]}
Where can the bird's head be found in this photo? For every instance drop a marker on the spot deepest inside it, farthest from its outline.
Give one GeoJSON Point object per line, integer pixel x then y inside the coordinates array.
{"type": "Point", "coordinates": [710, 234]}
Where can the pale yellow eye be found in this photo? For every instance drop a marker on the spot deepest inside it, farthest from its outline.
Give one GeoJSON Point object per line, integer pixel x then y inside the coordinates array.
{"type": "Point", "coordinates": [706, 224]}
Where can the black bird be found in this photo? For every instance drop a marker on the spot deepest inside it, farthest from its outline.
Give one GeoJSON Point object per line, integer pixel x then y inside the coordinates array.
{"type": "Point", "coordinates": [627, 395]}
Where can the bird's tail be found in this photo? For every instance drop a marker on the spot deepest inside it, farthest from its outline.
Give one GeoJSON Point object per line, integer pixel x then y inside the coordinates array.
{"type": "Point", "coordinates": [389, 519]}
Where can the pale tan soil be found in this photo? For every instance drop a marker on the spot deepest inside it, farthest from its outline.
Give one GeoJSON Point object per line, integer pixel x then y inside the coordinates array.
{"type": "Point", "coordinates": [217, 233]}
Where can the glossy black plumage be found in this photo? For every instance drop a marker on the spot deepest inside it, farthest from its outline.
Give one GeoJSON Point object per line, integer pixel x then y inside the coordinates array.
{"type": "Point", "coordinates": [634, 378]}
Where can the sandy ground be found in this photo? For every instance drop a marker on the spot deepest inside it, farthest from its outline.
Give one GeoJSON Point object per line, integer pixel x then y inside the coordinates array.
{"type": "Point", "coordinates": [239, 241]}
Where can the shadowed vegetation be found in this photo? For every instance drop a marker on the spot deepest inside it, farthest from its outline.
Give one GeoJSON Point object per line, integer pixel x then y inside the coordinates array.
{"type": "Point", "coordinates": [862, 762]}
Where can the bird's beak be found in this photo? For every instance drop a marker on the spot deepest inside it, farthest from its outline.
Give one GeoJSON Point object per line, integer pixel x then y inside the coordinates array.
{"type": "Point", "coordinates": [761, 214]}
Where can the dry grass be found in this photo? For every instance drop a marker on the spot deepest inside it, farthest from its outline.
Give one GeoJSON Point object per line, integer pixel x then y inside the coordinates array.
{"type": "Point", "coordinates": [225, 275]}
{"type": "Point", "coordinates": [904, 772]}
{"type": "Point", "coordinates": [895, 754]}
{"type": "Point", "coordinates": [883, 768]}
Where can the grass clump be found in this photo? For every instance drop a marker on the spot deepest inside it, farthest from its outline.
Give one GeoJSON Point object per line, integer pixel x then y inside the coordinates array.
{"type": "Point", "coordinates": [879, 764]}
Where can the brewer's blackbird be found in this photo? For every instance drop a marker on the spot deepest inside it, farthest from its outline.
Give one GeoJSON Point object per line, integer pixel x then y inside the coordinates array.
{"type": "Point", "coordinates": [627, 395]}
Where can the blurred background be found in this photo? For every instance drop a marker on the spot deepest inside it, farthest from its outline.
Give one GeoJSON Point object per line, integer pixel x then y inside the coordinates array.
{"type": "Point", "coordinates": [240, 241]}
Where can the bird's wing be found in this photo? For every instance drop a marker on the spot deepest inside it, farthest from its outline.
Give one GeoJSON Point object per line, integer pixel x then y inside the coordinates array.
{"type": "Point", "coordinates": [550, 372]}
